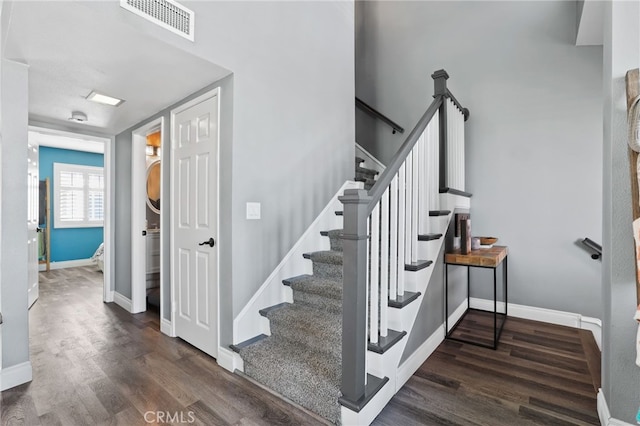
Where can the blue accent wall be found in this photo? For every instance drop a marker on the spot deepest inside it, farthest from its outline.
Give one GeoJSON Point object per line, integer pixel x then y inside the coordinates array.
{"type": "Point", "coordinates": [69, 243]}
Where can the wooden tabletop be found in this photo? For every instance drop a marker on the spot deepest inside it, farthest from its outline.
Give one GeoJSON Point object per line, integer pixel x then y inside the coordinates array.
{"type": "Point", "coordinates": [488, 258]}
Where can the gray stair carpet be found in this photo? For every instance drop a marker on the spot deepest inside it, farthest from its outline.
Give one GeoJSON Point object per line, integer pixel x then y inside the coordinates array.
{"type": "Point", "coordinates": [302, 358]}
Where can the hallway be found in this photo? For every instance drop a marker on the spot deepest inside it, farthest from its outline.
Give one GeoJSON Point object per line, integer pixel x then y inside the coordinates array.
{"type": "Point", "coordinates": [94, 364]}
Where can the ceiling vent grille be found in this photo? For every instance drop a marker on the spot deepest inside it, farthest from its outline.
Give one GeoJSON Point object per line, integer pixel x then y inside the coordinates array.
{"type": "Point", "coordinates": [166, 13]}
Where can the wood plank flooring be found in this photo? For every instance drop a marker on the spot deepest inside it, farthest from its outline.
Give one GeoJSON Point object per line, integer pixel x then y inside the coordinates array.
{"type": "Point", "coordinates": [541, 374]}
{"type": "Point", "coordinates": [95, 364]}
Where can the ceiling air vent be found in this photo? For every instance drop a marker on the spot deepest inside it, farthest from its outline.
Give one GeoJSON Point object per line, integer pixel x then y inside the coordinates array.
{"type": "Point", "coordinates": [166, 13]}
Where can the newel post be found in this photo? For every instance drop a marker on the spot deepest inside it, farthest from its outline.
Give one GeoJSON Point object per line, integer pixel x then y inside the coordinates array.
{"type": "Point", "coordinates": [354, 293]}
{"type": "Point", "coordinates": [440, 89]}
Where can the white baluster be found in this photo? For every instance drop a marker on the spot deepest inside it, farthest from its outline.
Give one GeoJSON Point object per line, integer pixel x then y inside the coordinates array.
{"type": "Point", "coordinates": [462, 151]}
{"type": "Point", "coordinates": [434, 201]}
{"type": "Point", "coordinates": [367, 281]}
{"type": "Point", "coordinates": [408, 208]}
{"type": "Point", "coordinates": [414, 206]}
{"type": "Point", "coordinates": [451, 145]}
{"type": "Point", "coordinates": [401, 226]}
{"type": "Point", "coordinates": [423, 211]}
{"type": "Point", "coordinates": [384, 263]}
{"type": "Point", "coordinates": [393, 237]}
{"type": "Point", "coordinates": [374, 287]}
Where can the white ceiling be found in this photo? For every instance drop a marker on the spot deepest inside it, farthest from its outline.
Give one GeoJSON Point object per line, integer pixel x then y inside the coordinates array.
{"type": "Point", "coordinates": [74, 47]}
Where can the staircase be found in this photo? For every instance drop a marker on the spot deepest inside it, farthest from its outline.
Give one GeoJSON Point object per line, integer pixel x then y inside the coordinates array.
{"type": "Point", "coordinates": [344, 365]}
{"type": "Point", "coordinates": [302, 359]}
{"type": "Point", "coordinates": [365, 175]}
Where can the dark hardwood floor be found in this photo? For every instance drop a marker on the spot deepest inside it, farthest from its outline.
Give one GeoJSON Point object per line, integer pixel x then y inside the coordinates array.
{"type": "Point", "coordinates": [541, 374]}
{"type": "Point", "coordinates": [95, 364]}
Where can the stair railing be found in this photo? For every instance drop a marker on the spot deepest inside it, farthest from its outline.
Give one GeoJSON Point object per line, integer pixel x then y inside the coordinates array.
{"type": "Point", "coordinates": [381, 228]}
{"type": "Point", "coordinates": [395, 127]}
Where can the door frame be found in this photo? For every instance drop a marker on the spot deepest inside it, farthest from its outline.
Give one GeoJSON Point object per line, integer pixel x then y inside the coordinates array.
{"type": "Point", "coordinates": [173, 210]}
{"type": "Point", "coordinates": [108, 288]}
{"type": "Point", "coordinates": [138, 215]}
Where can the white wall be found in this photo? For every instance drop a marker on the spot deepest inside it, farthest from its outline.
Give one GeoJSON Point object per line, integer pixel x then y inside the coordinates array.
{"type": "Point", "coordinates": [533, 138]}
{"type": "Point", "coordinates": [13, 244]}
{"type": "Point", "coordinates": [620, 376]}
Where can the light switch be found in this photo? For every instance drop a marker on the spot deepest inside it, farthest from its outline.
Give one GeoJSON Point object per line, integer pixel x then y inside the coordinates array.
{"type": "Point", "coordinates": [253, 211]}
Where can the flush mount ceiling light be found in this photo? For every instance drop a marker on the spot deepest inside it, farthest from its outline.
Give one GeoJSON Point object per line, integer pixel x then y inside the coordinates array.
{"type": "Point", "coordinates": [78, 117]}
{"type": "Point", "coordinates": [103, 99]}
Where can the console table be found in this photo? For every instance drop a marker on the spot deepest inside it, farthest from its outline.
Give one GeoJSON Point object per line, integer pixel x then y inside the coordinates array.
{"type": "Point", "coordinates": [482, 258]}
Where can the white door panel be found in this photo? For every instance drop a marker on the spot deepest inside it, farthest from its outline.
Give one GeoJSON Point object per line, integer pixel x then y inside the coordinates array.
{"type": "Point", "coordinates": [33, 186]}
{"type": "Point", "coordinates": [195, 218]}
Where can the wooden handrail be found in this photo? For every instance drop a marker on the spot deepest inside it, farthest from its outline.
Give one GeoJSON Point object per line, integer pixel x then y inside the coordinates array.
{"type": "Point", "coordinates": [387, 176]}
{"type": "Point", "coordinates": [465, 111]}
{"type": "Point", "coordinates": [358, 206]}
{"type": "Point", "coordinates": [377, 114]}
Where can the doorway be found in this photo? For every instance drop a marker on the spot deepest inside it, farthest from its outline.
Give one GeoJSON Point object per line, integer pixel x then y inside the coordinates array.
{"type": "Point", "coordinates": [71, 173]}
{"type": "Point", "coordinates": [147, 234]}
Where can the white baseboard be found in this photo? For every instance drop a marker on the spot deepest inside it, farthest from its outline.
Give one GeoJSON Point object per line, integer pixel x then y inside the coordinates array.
{"type": "Point", "coordinates": [551, 316]}
{"type": "Point", "coordinates": [455, 316]}
{"type": "Point", "coordinates": [594, 325]}
{"type": "Point", "coordinates": [122, 301]}
{"type": "Point", "coordinates": [229, 360]}
{"type": "Point", "coordinates": [66, 264]}
{"type": "Point", "coordinates": [109, 296]}
{"type": "Point", "coordinates": [15, 375]}
{"type": "Point", "coordinates": [605, 415]}
{"type": "Point", "coordinates": [166, 328]}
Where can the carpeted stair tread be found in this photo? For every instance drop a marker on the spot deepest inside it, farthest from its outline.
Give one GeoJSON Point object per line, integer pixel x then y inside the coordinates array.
{"type": "Point", "coordinates": [364, 170]}
{"type": "Point", "coordinates": [308, 378]}
{"type": "Point", "coordinates": [315, 285]}
{"type": "Point", "coordinates": [367, 181]}
{"type": "Point", "coordinates": [318, 330]}
{"type": "Point", "coordinates": [359, 161]}
{"type": "Point", "coordinates": [335, 238]}
{"type": "Point", "coordinates": [315, 301]}
{"type": "Point", "coordinates": [326, 264]}
{"type": "Point", "coordinates": [325, 256]}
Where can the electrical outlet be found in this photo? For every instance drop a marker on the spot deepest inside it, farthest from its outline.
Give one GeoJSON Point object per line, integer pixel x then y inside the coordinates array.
{"type": "Point", "coordinates": [253, 211]}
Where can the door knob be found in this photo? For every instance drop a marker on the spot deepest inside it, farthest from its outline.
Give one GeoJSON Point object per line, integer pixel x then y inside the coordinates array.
{"type": "Point", "coordinates": [211, 242]}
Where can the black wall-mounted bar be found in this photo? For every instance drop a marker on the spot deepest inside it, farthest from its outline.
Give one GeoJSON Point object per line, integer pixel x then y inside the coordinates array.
{"type": "Point", "coordinates": [595, 247]}
{"type": "Point", "coordinates": [377, 114]}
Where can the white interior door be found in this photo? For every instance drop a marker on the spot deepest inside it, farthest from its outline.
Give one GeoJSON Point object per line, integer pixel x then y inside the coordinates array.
{"type": "Point", "coordinates": [194, 217]}
{"type": "Point", "coordinates": [33, 187]}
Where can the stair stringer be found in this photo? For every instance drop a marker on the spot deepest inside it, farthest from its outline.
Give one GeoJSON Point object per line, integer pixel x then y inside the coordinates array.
{"type": "Point", "coordinates": [249, 323]}
{"type": "Point", "coordinates": [388, 363]}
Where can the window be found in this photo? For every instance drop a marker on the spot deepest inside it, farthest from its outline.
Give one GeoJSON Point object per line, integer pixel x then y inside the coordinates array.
{"type": "Point", "coordinates": [78, 196]}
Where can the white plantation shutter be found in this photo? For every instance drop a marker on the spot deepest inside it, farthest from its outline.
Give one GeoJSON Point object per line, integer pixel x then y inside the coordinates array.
{"type": "Point", "coordinates": [78, 196]}
{"type": "Point", "coordinates": [95, 200]}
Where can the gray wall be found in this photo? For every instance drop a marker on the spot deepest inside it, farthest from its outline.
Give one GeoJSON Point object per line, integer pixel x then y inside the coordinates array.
{"type": "Point", "coordinates": [534, 135]}
{"type": "Point", "coordinates": [620, 376]}
{"type": "Point", "coordinates": [123, 200]}
{"type": "Point", "coordinates": [293, 125]}
{"type": "Point", "coordinates": [431, 313]}
{"type": "Point", "coordinates": [13, 224]}
{"type": "Point", "coordinates": [122, 219]}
